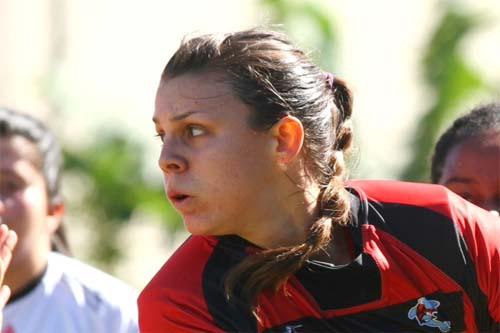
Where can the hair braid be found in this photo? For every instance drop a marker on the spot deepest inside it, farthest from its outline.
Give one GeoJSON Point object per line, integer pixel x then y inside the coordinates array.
{"type": "Point", "coordinates": [333, 210]}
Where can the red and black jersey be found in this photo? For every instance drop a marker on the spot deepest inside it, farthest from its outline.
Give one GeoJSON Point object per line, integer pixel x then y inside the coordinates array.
{"type": "Point", "coordinates": [426, 261]}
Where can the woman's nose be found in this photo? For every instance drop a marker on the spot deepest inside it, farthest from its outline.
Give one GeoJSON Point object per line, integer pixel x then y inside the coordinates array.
{"type": "Point", "coordinates": [171, 161]}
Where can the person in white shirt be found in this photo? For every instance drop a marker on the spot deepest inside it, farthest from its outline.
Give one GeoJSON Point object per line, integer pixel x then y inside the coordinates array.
{"type": "Point", "coordinates": [50, 291]}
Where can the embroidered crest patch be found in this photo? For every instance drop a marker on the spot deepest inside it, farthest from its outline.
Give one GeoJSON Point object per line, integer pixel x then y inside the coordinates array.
{"type": "Point", "coordinates": [425, 312]}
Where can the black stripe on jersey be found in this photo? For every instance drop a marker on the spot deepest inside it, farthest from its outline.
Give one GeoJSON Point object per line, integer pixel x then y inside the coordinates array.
{"type": "Point", "coordinates": [234, 316]}
{"type": "Point", "coordinates": [350, 285]}
{"type": "Point", "coordinates": [412, 225]}
{"type": "Point", "coordinates": [343, 287]}
{"type": "Point", "coordinates": [389, 319]}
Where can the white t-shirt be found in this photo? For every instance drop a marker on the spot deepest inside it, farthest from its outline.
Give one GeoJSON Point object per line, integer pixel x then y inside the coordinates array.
{"type": "Point", "coordinates": [73, 297]}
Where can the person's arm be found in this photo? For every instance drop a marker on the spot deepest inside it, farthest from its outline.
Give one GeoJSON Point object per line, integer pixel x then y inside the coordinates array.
{"type": "Point", "coordinates": [481, 231]}
{"type": "Point", "coordinates": [8, 239]}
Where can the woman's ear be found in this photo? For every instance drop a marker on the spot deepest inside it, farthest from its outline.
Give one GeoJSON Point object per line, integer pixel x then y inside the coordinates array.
{"type": "Point", "coordinates": [54, 216]}
{"type": "Point", "coordinates": [289, 134]}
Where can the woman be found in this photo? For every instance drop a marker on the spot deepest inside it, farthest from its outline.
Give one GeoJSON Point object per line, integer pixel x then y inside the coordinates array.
{"type": "Point", "coordinates": [467, 157]}
{"type": "Point", "coordinates": [253, 142]}
{"type": "Point", "coordinates": [50, 291]}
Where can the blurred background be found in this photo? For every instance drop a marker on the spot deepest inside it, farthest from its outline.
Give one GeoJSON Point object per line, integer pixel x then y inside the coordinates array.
{"type": "Point", "coordinates": [90, 68]}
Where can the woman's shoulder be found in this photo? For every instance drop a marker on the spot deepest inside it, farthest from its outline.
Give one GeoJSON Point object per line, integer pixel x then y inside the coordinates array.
{"type": "Point", "coordinates": [177, 286]}
{"type": "Point", "coordinates": [88, 295]}
{"type": "Point", "coordinates": [84, 282]}
{"type": "Point", "coordinates": [186, 264]}
{"type": "Point", "coordinates": [426, 215]}
{"type": "Point", "coordinates": [196, 267]}
{"type": "Point", "coordinates": [189, 286]}
{"type": "Point", "coordinates": [398, 193]}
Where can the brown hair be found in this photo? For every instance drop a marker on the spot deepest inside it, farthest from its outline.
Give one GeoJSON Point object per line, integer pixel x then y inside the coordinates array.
{"type": "Point", "coordinates": [268, 73]}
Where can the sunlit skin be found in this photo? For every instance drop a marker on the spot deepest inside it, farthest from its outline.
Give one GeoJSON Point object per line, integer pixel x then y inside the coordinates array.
{"type": "Point", "coordinates": [223, 176]}
{"type": "Point", "coordinates": [472, 170]}
{"type": "Point", "coordinates": [25, 208]}
{"type": "Point", "coordinates": [8, 239]}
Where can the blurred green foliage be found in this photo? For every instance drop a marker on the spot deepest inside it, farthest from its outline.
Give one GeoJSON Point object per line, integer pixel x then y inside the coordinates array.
{"type": "Point", "coordinates": [309, 23]}
{"type": "Point", "coordinates": [451, 81]}
{"type": "Point", "coordinates": [114, 166]}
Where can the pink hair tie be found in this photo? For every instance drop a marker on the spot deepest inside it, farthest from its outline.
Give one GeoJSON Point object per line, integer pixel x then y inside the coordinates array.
{"type": "Point", "coordinates": [329, 79]}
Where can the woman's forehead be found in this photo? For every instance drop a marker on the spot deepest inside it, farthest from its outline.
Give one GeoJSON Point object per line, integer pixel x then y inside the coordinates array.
{"type": "Point", "coordinates": [18, 147]}
{"type": "Point", "coordinates": [486, 140]}
{"type": "Point", "coordinates": [200, 86]}
{"type": "Point", "coordinates": [194, 93]}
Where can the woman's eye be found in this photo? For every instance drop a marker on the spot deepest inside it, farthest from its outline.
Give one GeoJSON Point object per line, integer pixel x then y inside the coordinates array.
{"type": "Point", "coordinates": [195, 131]}
{"type": "Point", "coordinates": [159, 135]}
{"type": "Point", "coordinates": [9, 187]}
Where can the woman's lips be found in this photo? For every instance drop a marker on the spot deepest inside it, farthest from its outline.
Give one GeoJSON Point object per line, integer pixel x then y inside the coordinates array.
{"type": "Point", "coordinates": [179, 200]}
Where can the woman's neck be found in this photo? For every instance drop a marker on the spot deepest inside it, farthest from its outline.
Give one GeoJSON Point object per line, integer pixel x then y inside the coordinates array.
{"type": "Point", "coordinates": [338, 251]}
{"type": "Point", "coordinates": [22, 274]}
{"type": "Point", "coordinates": [27, 287]}
{"type": "Point", "coordinates": [286, 221]}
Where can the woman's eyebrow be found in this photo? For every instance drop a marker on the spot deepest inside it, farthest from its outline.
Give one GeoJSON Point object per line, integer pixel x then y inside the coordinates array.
{"type": "Point", "coordinates": [183, 115]}
{"type": "Point", "coordinates": [180, 116]}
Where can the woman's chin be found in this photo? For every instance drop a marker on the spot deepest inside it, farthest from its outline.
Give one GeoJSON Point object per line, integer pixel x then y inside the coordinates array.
{"type": "Point", "coordinates": [198, 226]}
{"type": "Point", "coordinates": [208, 224]}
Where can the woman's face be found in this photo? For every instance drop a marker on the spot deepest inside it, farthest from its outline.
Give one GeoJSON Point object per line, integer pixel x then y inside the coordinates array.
{"type": "Point", "coordinates": [218, 172]}
{"type": "Point", "coordinates": [472, 170]}
{"type": "Point", "coordinates": [24, 204]}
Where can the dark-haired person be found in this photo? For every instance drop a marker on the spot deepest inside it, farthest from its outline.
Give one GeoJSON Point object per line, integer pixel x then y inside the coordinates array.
{"type": "Point", "coordinates": [253, 141]}
{"type": "Point", "coordinates": [467, 157]}
{"type": "Point", "coordinates": [51, 292]}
